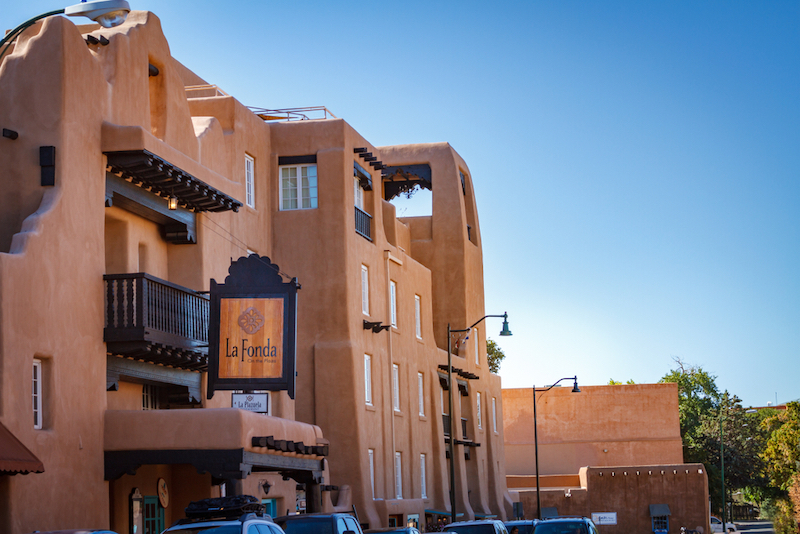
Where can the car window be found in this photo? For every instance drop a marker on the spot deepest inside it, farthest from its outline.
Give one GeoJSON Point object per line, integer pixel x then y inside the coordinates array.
{"type": "Point", "coordinates": [253, 529]}
{"type": "Point", "coordinates": [276, 529]}
{"type": "Point", "coordinates": [340, 525]}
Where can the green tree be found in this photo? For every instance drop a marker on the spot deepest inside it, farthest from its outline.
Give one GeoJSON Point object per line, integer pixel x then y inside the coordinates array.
{"type": "Point", "coordinates": [698, 395]}
{"type": "Point", "coordinates": [782, 451]}
{"type": "Point", "coordinates": [613, 382]}
{"type": "Point", "coordinates": [495, 355]}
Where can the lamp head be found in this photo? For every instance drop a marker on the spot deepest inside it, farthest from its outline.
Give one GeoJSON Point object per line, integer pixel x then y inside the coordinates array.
{"type": "Point", "coordinates": [172, 202]}
{"type": "Point", "coordinates": [575, 388]}
{"type": "Point", "coordinates": [505, 331]}
{"type": "Point", "coordinates": [108, 13]}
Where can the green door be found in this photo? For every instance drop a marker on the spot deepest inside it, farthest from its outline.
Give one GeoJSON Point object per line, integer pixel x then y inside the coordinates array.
{"type": "Point", "coordinates": [153, 515]}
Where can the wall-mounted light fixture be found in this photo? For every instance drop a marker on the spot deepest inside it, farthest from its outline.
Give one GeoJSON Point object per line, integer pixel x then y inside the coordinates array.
{"type": "Point", "coordinates": [172, 202]}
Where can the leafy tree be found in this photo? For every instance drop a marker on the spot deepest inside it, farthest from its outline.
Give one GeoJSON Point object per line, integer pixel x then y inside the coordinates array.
{"type": "Point", "coordinates": [782, 451]}
{"type": "Point", "coordinates": [613, 382]}
{"type": "Point", "coordinates": [495, 355]}
{"type": "Point", "coordinates": [697, 396]}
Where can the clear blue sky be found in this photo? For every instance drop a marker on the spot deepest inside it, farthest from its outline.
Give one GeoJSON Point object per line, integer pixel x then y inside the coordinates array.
{"type": "Point", "coordinates": [637, 164]}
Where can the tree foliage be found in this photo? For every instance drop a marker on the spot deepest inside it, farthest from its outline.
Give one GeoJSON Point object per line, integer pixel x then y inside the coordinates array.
{"type": "Point", "coordinates": [697, 395]}
{"type": "Point", "coordinates": [495, 355]}
{"type": "Point", "coordinates": [782, 451]}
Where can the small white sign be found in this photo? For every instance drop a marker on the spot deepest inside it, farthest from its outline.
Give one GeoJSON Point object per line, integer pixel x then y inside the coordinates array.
{"type": "Point", "coordinates": [604, 518]}
{"type": "Point", "coordinates": [253, 402]}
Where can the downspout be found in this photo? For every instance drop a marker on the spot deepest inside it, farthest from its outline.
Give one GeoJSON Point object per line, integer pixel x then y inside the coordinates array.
{"type": "Point", "coordinates": [388, 257]}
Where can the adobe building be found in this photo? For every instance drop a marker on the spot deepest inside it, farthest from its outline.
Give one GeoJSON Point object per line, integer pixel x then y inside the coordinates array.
{"type": "Point", "coordinates": [613, 453]}
{"type": "Point", "coordinates": [115, 409]}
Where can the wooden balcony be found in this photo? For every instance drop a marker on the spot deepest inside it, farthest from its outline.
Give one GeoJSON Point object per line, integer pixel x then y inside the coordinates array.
{"type": "Point", "coordinates": [152, 320]}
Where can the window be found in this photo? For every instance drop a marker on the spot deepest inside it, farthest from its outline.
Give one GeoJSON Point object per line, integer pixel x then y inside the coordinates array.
{"type": "Point", "coordinates": [398, 476]}
{"type": "Point", "coordinates": [368, 378]}
{"type": "Point", "coordinates": [364, 290]}
{"type": "Point", "coordinates": [418, 316]}
{"type": "Point", "coordinates": [396, 387]}
{"type": "Point", "coordinates": [478, 412]}
{"type": "Point", "coordinates": [298, 187]}
{"type": "Point", "coordinates": [494, 414]}
{"type": "Point", "coordinates": [393, 301]}
{"type": "Point", "coordinates": [372, 470]}
{"type": "Point", "coordinates": [358, 193]}
{"type": "Point", "coordinates": [249, 171]}
{"type": "Point", "coordinates": [661, 523]}
{"type": "Point", "coordinates": [423, 486]}
{"type": "Point", "coordinates": [37, 394]}
{"type": "Point", "coordinates": [150, 397]}
{"type": "Point", "coordinates": [420, 383]}
{"type": "Point", "coordinates": [477, 351]}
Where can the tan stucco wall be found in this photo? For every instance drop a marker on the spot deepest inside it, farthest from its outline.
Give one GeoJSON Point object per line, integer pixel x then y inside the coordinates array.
{"type": "Point", "coordinates": [601, 426]}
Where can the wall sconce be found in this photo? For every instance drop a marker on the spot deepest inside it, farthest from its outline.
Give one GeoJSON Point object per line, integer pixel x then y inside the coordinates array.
{"type": "Point", "coordinates": [265, 485]}
{"type": "Point", "coordinates": [568, 493]}
{"type": "Point", "coordinates": [376, 327]}
{"type": "Point", "coordinates": [172, 202]}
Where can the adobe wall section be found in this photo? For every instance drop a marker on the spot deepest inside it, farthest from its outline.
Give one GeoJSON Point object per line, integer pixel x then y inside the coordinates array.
{"type": "Point", "coordinates": [600, 426]}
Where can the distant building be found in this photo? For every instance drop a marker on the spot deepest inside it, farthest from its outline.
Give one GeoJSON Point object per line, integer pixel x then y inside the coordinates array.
{"type": "Point", "coordinates": [104, 310]}
{"type": "Point", "coordinates": [609, 450]}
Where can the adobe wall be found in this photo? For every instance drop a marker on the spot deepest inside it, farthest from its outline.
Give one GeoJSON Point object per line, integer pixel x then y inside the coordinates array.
{"type": "Point", "coordinates": [629, 492]}
{"type": "Point", "coordinates": [600, 426]}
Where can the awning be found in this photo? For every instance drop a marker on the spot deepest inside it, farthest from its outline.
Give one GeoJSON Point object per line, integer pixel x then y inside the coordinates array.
{"type": "Point", "coordinates": [659, 510]}
{"type": "Point", "coordinates": [485, 516]}
{"type": "Point", "coordinates": [440, 512]}
{"type": "Point", "coordinates": [15, 458]}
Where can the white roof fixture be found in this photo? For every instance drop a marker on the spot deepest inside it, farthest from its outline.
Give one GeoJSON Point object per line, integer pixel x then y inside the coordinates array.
{"type": "Point", "coordinates": [108, 13]}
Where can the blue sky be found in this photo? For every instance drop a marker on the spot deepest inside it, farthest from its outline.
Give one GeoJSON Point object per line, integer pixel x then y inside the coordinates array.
{"type": "Point", "coordinates": [636, 164]}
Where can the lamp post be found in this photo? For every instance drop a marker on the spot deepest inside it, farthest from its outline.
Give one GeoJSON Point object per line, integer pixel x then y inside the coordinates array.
{"type": "Point", "coordinates": [108, 13]}
{"type": "Point", "coordinates": [722, 467]}
{"type": "Point", "coordinates": [504, 332]}
{"type": "Point", "coordinates": [575, 389]}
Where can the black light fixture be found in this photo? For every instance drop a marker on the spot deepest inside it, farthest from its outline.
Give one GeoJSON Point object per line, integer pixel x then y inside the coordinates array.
{"type": "Point", "coordinates": [452, 441]}
{"type": "Point", "coordinates": [575, 389]}
{"type": "Point", "coordinates": [265, 485]}
{"type": "Point", "coordinates": [376, 327]}
{"type": "Point", "coordinates": [172, 202]}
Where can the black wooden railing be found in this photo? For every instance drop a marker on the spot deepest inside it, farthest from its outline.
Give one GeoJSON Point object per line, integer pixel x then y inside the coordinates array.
{"type": "Point", "coordinates": [363, 223]}
{"type": "Point", "coordinates": [151, 319]}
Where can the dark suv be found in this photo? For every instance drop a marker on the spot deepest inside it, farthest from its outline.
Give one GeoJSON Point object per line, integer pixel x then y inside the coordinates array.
{"type": "Point", "coordinates": [485, 526]}
{"type": "Point", "coordinates": [240, 514]}
{"type": "Point", "coordinates": [319, 524]}
{"type": "Point", "coordinates": [566, 525]}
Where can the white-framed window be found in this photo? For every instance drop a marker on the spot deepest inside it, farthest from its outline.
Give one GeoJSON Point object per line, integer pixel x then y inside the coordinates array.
{"type": "Point", "coordinates": [478, 408]}
{"type": "Point", "coordinates": [477, 351]}
{"type": "Point", "coordinates": [396, 387]}
{"type": "Point", "coordinates": [372, 470]}
{"type": "Point", "coordinates": [398, 476]}
{"type": "Point", "coordinates": [418, 316]}
{"type": "Point", "coordinates": [494, 414]}
{"type": "Point", "coordinates": [421, 384]}
{"type": "Point", "coordinates": [393, 301]}
{"type": "Point", "coordinates": [298, 187]}
{"type": "Point", "coordinates": [36, 391]}
{"type": "Point", "coordinates": [364, 290]}
{"type": "Point", "coordinates": [368, 378]}
{"type": "Point", "coordinates": [358, 194]}
{"type": "Point", "coordinates": [423, 483]}
{"type": "Point", "coordinates": [249, 181]}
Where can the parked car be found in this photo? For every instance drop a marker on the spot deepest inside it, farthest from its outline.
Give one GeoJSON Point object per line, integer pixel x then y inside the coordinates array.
{"type": "Point", "coordinates": [716, 525]}
{"type": "Point", "coordinates": [524, 526]}
{"type": "Point", "coordinates": [319, 524]}
{"type": "Point", "coordinates": [566, 525]}
{"type": "Point", "coordinates": [239, 514]}
{"type": "Point", "coordinates": [392, 530]}
{"type": "Point", "coordinates": [74, 531]}
{"type": "Point", "coordinates": [482, 526]}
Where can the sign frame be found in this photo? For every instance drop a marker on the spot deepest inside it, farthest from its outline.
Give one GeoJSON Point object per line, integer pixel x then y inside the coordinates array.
{"type": "Point", "coordinates": [254, 277]}
{"type": "Point", "coordinates": [604, 518]}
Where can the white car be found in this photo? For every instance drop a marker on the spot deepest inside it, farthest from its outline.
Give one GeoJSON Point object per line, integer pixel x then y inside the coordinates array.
{"type": "Point", "coordinates": [716, 526]}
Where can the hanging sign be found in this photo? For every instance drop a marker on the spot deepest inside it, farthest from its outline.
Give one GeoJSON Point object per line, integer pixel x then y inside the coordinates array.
{"type": "Point", "coordinates": [252, 328]}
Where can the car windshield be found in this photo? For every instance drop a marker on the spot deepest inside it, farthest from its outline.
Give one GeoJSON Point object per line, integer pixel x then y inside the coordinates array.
{"type": "Point", "coordinates": [471, 529]}
{"type": "Point", "coordinates": [308, 527]}
{"type": "Point", "coordinates": [561, 527]}
{"type": "Point", "coordinates": [218, 529]}
{"type": "Point", "coordinates": [524, 528]}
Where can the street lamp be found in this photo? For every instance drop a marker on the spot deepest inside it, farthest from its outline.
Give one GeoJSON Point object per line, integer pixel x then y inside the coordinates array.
{"type": "Point", "coordinates": [575, 389]}
{"type": "Point", "coordinates": [108, 13]}
{"type": "Point", "coordinates": [504, 332]}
